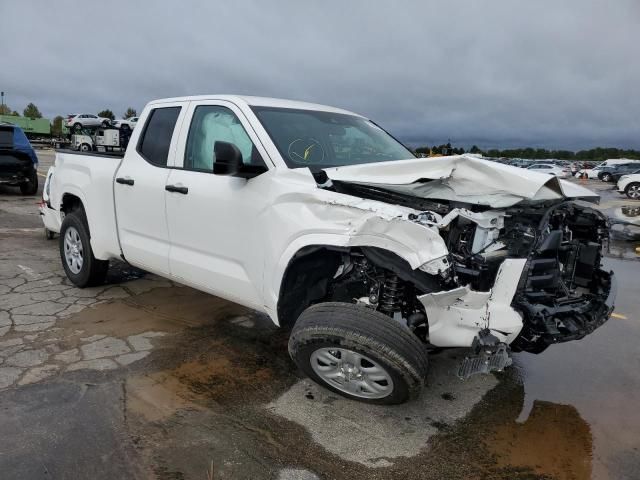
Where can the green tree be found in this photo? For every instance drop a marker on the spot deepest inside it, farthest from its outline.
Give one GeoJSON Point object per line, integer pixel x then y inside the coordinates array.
{"type": "Point", "coordinates": [56, 125]}
{"type": "Point", "coordinates": [475, 149]}
{"type": "Point", "coordinates": [106, 113]}
{"type": "Point", "coordinates": [15, 114]}
{"type": "Point", "coordinates": [131, 112]}
{"type": "Point", "coordinates": [5, 110]}
{"type": "Point", "coordinates": [32, 111]}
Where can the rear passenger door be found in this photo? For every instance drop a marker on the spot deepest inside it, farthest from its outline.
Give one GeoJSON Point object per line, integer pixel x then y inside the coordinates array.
{"type": "Point", "coordinates": [139, 189]}
{"type": "Point", "coordinates": [217, 242]}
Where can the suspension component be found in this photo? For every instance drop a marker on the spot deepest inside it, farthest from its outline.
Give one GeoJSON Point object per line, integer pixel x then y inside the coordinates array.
{"type": "Point", "coordinates": [391, 295]}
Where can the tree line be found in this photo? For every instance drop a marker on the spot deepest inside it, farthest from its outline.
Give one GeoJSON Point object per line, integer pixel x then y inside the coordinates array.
{"type": "Point", "coordinates": [599, 153]}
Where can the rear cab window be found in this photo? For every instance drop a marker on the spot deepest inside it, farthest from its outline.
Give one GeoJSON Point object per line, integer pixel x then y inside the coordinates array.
{"type": "Point", "coordinates": [156, 137]}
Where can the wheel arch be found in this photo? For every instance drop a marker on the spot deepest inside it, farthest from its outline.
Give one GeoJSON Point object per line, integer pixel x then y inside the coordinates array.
{"type": "Point", "coordinates": [306, 277]}
{"type": "Point", "coordinates": [70, 202]}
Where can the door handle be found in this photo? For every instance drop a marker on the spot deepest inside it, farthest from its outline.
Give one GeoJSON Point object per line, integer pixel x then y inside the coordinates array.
{"type": "Point", "coordinates": [124, 180]}
{"type": "Point", "coordinates": [176, 189]}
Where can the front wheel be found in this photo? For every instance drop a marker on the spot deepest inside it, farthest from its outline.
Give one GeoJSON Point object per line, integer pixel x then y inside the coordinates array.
{"type": "Point", "coordinates": [81, 267]}
{"type": "Point", "coordinates": [359, 353]}
{"type": "Point", "coordinates": [633, 190]}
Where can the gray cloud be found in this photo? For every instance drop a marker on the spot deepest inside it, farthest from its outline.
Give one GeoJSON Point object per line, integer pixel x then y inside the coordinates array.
{"type": "Point", "coordinates": [493, 72]}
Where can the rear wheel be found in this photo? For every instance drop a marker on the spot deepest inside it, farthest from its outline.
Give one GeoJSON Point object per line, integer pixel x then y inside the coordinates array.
{"type": "Point", "coordinates": [81, 267]}
{"type": "Point", "coordinates": [77, 127]}
{"type": "Point", "coordinates": [606, 177]}
{"type": "Point", "coordinates": [85, 147]}
{"type": "Point", "coordinates": [30, 187]}
{"type": "Point", "coordinates": [633, 190]}
{"type": "Point", "coordinates": [359, 353]}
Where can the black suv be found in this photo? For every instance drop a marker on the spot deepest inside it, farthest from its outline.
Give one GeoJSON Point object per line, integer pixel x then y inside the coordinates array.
{"type": "Point", "coordinates": [18, 160]}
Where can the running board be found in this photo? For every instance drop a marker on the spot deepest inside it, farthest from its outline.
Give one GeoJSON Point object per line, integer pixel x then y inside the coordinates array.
{"type": "Point", "coordinates": [491, 356]}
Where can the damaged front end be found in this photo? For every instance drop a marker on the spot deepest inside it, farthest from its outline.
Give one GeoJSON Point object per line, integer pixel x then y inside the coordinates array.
{"type": "Point", "coordinates": [527, 275]}
{"type": "Point", "coordinates": [563, 293]}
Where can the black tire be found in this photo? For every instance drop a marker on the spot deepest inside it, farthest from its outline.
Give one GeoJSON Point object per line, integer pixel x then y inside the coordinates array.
{"type": "Point", "coordinates": [30, 187]}
{"type": "Point", "coordinates": [633, 191]}
{"type": "Point", "coordinates": [105, 124]}
{"type": "Point", "coordinates": [93, 271]}
{"type": "Point", "coordinates": [85, 147]}
{"type": "Point", "coordinates": [49, 234]}
{"type": "Point", "coordinates": [366, 332]}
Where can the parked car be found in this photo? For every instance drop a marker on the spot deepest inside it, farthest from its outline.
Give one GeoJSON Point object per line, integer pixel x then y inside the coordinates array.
{"type": "Point", "coordinates": [318, 218]}
{"type": "Point", "coordinates": [551, 169]}
{"type": "Point", "coordinates": [519, 163]}
{"type": "Point", "coordinates": [595, 170]}
{"type": "Point", "coordinates": [616, 176]}
{"type": "Point", "coordinates": [79, 121]}
{"type": "Point", "coordinates": [630, 186]}
{"type": "Point", "coordinates": [614, 172]}
{"type": "Point", "coordinates": [18, 160]}
{"type": "Point", "coordinates": [126, 123]}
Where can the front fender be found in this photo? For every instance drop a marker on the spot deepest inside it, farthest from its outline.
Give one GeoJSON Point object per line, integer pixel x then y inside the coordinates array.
{"type": "Point", "coordinates": [412, 242]}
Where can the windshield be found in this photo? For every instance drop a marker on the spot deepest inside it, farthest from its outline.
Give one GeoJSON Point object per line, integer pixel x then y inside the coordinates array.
{"type": "Point", "coordinates": [314, 139]}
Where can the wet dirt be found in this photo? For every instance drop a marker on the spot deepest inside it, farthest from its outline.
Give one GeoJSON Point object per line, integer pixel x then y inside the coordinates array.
{"type": "Point", "coordinates": [164, 309]}
{"type": "Point", "coordinates": [554, 441]}
{"type": "Point", "coordinates": [202, 399]}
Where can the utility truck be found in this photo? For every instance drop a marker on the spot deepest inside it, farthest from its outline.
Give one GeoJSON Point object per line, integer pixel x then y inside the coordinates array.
{"type": "Point", "coordinates": [323, 221]}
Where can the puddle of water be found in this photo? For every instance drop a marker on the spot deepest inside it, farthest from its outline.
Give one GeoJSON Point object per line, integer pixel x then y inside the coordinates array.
{"type": "Point", "coordinates": [553, 441]}
{"type": "Point", "coordinates": [598, 375]}
{"type": "Point", "coordinates": [163, 309]}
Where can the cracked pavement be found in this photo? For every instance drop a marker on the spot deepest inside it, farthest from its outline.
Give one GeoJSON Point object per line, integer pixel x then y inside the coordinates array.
{"type": "Point", "coordinates": [32, 306]}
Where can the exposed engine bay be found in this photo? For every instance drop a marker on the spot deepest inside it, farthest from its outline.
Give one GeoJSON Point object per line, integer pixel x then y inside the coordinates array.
{"type": "Point", "coordinates": [541, 258]}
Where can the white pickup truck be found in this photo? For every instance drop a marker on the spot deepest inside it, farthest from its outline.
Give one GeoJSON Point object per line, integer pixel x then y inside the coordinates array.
{"type": "Point", "coordinates": [323, 221]}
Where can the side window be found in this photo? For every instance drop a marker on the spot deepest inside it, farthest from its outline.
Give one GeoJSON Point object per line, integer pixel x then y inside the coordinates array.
{"type": "Point", "coordinates": [156, 136]}
{"type": "Point", "coordinates": [211, 123]}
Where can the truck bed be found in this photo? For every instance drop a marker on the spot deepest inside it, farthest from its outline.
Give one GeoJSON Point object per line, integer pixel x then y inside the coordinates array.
{"type": "Point", "coordinates": [77, 174]}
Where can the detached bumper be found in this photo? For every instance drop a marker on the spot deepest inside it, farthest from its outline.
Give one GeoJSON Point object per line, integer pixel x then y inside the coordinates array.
{"type": "Point", "coordinates": [566, 320]}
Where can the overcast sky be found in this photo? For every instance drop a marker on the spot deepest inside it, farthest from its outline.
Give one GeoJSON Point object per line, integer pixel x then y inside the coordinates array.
{"type": "Point", "coordinates": [493, 72]}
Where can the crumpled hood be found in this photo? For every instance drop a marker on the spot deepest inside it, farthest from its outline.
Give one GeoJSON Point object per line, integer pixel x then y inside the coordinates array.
{"type": "Point", "coordinates": [462, 178]}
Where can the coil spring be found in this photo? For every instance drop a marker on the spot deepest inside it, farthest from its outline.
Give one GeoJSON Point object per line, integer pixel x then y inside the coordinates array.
{"type": "Point", "coordinates": [392, 293]}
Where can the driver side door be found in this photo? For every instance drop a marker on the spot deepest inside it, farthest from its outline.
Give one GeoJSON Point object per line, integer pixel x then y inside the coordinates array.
{"type": "Point", "coordinates": [217, 242]}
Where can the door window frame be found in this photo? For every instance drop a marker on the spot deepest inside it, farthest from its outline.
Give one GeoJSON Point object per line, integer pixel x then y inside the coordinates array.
{"type": "Point", "coordinates": [186, 127]}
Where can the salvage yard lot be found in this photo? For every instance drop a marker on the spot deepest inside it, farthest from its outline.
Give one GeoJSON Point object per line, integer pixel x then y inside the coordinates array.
{"type": "Point", "coordinates": [142, 378]}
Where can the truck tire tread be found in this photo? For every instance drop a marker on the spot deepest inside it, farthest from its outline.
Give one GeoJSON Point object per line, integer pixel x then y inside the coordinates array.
{"type": "Point", "coordinates": [365, 330]}
{"type": "Point", "coordinates": [94, 271]}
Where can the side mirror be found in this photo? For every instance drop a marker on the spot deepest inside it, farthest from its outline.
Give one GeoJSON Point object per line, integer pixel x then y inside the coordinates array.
{"type": "Point", "coordinates": [228, 161]}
